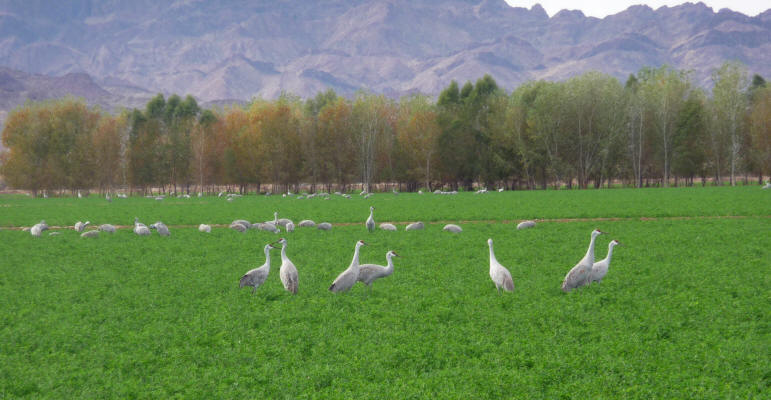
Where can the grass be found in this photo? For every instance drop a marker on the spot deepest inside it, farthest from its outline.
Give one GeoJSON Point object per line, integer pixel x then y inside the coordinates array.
{"type": "Point", "coordinates": [683, 313]}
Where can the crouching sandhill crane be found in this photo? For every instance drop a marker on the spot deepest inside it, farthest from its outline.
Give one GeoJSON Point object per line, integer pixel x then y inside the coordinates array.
{"type": "Point", "coordinates": [324, 226]}
{"type": "Point", "coordinates": [498, 273]}
{"type": "Point", "coordinates": [90, 234]}
{"type": "Point", "coordinates": [348, 278]}
{"type": "Point", "coordinates": [580, 275]}
{"type": "Point", "coordinates": [414, 226]}
{"type": "Point", "coordinates": [452, 228]}
{"type": "Point", "coordinates": [306, 223]}
{"type": "Point", "coordinates": [525, 225]}
{"type": "Point", "coordinates": [81, 226]}
{"type": "Point", "coordinates": [256, 277]}
{"type": "Point", "coordinates": [600, 268]}
{"type": "Point", "coordinates": [387, 227]}
{"type": "Point", "coordinates": [107, 228]}
{"type": "Point", "coordinates": [204, 228]}
{"type": "Point", "coordinates": [369, 273]}
{"type": "Point", "coordinates": [140, 228]}
{"type": "Point", "coordinates": [287, 272]}
{"type": "Point", "coordinates": [371, 220]}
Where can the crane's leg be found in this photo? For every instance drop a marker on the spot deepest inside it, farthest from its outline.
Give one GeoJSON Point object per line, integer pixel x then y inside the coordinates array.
{"type": "Point", "coordinates": [254, 290]}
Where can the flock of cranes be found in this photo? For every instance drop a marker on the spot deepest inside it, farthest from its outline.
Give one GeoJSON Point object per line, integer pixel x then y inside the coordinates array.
{"type": "Point", "coordinates": [585, 272]}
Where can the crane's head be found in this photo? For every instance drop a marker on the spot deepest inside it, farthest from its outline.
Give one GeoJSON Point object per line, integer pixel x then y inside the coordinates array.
{"type": "Point", "coordinates": [371, 208]}
{"type": "Point", "coordinates": [597, 232]}
{"type": "Point", "coordinates": [490, 242]}
{"type": "Point", "coordinates": [360, 243]}
{"type": "Point", "coordinates": [87, 222]}
{"type": "Point", "coordinates": [614, 242]}
{"type": "Point", "coordinates": [269, 246]}
{"type": "Point", "coordinates": [282, 241]}
{"type": "Point", "coordinates": [392, 253]}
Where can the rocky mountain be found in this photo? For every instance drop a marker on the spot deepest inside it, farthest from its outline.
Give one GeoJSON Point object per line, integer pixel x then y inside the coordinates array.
{"type": "Point", "coordinates": [113, 51]}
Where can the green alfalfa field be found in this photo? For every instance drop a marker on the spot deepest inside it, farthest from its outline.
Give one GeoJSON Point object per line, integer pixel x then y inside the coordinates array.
{"type": "Point", "coordinates": [684, 312]}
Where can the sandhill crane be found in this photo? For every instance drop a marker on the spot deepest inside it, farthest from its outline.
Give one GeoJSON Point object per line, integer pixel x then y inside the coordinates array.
{"type": "Point", "coordinates": [369, 273]}
{"type": "Point", "coordinates": [371, 221]}
{"type": "Point", "coordinates": [500, 190]}
{"type": "Point", "coordinates": [420, 192]}
{"type": "Point", "coordinates": [256, 277]}
{"type": "Point", "coordinates": [452, 228]}
{"type": "Point", "coordinates": [268, 227]}
{"type": "Point", "coordinates": [204, 228]}
{"type": "Point", "coordinates": [90, 234]}
{"type": "Point", "coordinates": [289, 226]}
{"type": "Point", "coordinates": [414, 226]}
{"type": "Point", "coordinates": [79, 195]}
{"type": "Point", "coordinates": [162, 229]}
{"type": "Point", "coordinates": [107, 228]}
{"type": "Point", "coordinates": [243, 222]}
{"type": "Point", "coordinates": [287, 272]}
{"type": "Point", "coordinates": [498, 273]}
{"type": "Point", "coordinates": [108, 198]}
{"type": "Point", "coordinates": [81, 226]}
{"type": "Point", "coordinates": [600, 268]}
{"type": "Point", "coordinates": [348, 278]}
{"type": "Point", "coordinates": [580, 274]}
{"type": "Point", "coordinates": [324, 226]}
{"type": "Point", "coordinates": [306, 223]}
{"type": "Point", "coordinates": [767, 185]}
{"type": "Point", "coordinates": [283, 222]}
{"type": "Point", "coordinates": [525, 225]}
{"type": "Point", "coordinates": [395, 192]}
{"type": "Point", "coordinates": [36, 230]}
{"type": "Point", "coordinates": [43, 225]}
{"type": "Point", "coordinates": [140, 228]}
{"type": "Point", "coordinates": [387, 227]}
{"type": "Point", "coordinates": [238, 227]}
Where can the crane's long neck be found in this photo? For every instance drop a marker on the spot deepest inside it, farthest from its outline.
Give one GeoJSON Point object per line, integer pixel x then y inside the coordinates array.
{"type": "Point", "coordinates": [355, 260]}
{"type": "Point", "coordinates": [370, 213]}
{"type": "Point", "coordinates": [283, 252]}
{"type": "Point", "coordinates": [267, 258]}
{"type": "Point", "coordinates": [492, 256]}
{"type": "Point", "coordinates": [275, 218]}
{"type": "Point", "coordinates": [390, 264]}
{"type": "Point", "coordinates": [590, 252]}
{"type": "Point", "coordinates": [610, 253]}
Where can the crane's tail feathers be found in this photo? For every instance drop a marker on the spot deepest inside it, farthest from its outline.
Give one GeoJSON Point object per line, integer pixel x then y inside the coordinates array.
{"type": "Point", "coordinates": [332, 288]}
{"type": "Point", "coordinates": [508, 285]}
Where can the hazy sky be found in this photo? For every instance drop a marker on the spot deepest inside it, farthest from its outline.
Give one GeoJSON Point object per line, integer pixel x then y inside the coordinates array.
{"type": "Point", "coordinates": [602, 8]}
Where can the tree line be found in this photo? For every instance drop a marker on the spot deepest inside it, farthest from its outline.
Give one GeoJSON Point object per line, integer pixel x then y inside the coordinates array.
{"type": "Point", "coordinates": [657, 128]}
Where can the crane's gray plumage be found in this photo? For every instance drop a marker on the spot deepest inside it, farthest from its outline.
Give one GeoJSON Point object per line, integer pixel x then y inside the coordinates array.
{"type": "Point", "coordinates": [288, 272]}
{"type": "Point", "coordinates": [348, 278]}
{"type": "Point", "coordinates": [498, 273]}
{"type": "Point", "coordinates": [289, 226]}
{"type": "Point", "coordinates": [243, 222]}
{"type": "Point", "coordinates": [90, 234]}
{"type": "Point", "coordinates": [371, 220]}
{"type": "Point", "coordinates": [256, 277]}
{"type": "Point", "coordinates": [81, 226]}
{"type": "Point", "coordinates": [140, 228]}
{"type": "Point", "coordinates": [324, 226]}
{"type": "Point", "coordinates": [162, 229]}
{"type": "Point", "coordinates": [369, 273]}
{"type": "Point", "coordinates": [387, 227]}
{"type": "Point", "coordinates": [107, 228]}
{"type": "Point", "coordinates": [414, 226]}
{"type": "Point", "coordinates": [525, 224]}
{"type": "Point", "coordinates": [452, 228]}
{"type": "Point", "coordinates": [36, 230]}
{"type": "Point", "coordinates": [204, 228]}
{"type": "Point", "coordinates": [580, 275]}
{"type": "Point", "coordinates": [238, 227]}
{"type": "Point", "coordinates": [600, 268]}
{"type": "Point", "coordinates": [306, 223]}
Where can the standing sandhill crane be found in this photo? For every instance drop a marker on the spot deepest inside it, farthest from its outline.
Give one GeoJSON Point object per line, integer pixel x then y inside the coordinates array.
{"type": "Point", "coordinates": [140, 228]}
{"type": "Point", "coordinates": [600, 268]}
{"type": "Point", "coordinates": [162, 229]}
{"type": "Point", "coordinates": [498, 273]}
{"type": "Point", "coordinates": [581, 274]}
{"type": "Point", "coordinates": [348, 278]}
{"type": "Point", "coordinates": [289, 226]}
{"type": "Point", "coordinates": [287, 272]}
{"type": "Point", "coordinates": [256, 277]}
{"type": "Point", "coordinates": [81, 226]}
{"type": "Point", "coordinates": [324, 226]}
{"type": "Point", "coordinates": [387, 227]}
{"type": "Point", "coordinates": [525, 225]}
{"type": "Point", "coordinates": [371, 221]}
{"type": "Point", "coordinates": [107, 228]}
{"type": "Point", "coordinates": [414, 226]}
{"type": "Point", "coordinates": [369, 273]}
{"type": "Point", "coordinates": [204, 228]}
{"type": "Point", "coordinates": [452, 228]}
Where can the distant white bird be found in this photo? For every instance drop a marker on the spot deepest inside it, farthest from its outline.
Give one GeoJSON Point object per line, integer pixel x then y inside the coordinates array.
{"type": "Point", "coordinates": [600, 268]}
{"type": "Point", "coordinates": [420, 192]}
{"type": "Point", "coordinates": [414, 226]}
{"type": "Point", "coordinates": [79, 195]}
{"type": "Point", "coordinates": [395, 192]}
{"type": "Point", "coordinates": [256, 277]}
{"type": "Point", "coordinates": [140, 228]}
{"type": "Point", "coordinates": [324, 226]}
{"type": "Point", "coordinates": [452, 228]}
{"type": "Point", "coordinates": [369, 273]}
{"type": "Point", "coordinates": [159, 198]}
{"type": "Point", "coordinates": [36, 230]}
{"type": "Point", "coordinates": [500, 190]}
{"type": "Point", "coordinates": [581, 274]}
{"type": "Point", "coordinates": [162, 229]}
{"type": "Point", "coordinates": [767, 185]}
{"type": "Point", "coordinates": [221, 193]}
{"type": "Point", "coordinates": [107, 228]}
{"type": "Point", "coordinates": [371, 220]}
{"type": "Point", "coordinates": [306, 223]}
{"type": "Point", "coordinates": [229, 199]}
{"type": "Point", "coordinates": [387, 227]}
{"type": "Point", "coordinates": [525, 225]}
{"type": "Point", "coordinates": [287, 272]}
{"type": "Point", "coordinates": [81, 226]}
{"type": "Point", "coordinates": [90, 234]}
{"type": "Point", "coordinates": [204, 228]}
{"type": "Point", "coordinates": [498, 273]}
{"type": "Point", "coordinates": [200, 194]}
{"type": "Point", "coordinates": [289, 227]}
{"type": "Point", "coordinates": [238, 227]}
{"type": "Point", "coordinates": [107, 197]}
{"type": "Point", "coordinates": [122, 196]}
{"type": "Point", "coordinates": [269, 227]}
{"type": "Point", "coordinates": [348, 278]}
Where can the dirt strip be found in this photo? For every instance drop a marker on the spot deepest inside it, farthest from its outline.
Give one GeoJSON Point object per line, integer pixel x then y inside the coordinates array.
{"type": "Point", "coordinates": [490, 221]}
